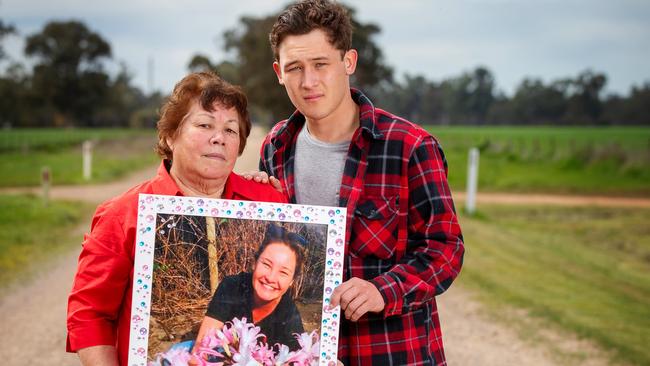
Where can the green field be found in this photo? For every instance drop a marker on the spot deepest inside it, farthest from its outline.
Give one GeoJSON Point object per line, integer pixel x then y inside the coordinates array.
{"type": "Point", "coordinates": [579, 160]}
{"type": "Point", "coordinates": [31, 233]}
{"type": "Point", "coordinates": [576, 160]}
{"type": "Point", "coordinates": [116, 153]}
{"type": "Point", "coordinates": [54, 139]}
{"type": "Point", "coordinates": [582, 269]}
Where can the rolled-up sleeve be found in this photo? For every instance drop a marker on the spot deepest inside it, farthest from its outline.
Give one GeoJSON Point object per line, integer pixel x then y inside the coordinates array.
{"type": "Point", "coordinates": [100, 283]}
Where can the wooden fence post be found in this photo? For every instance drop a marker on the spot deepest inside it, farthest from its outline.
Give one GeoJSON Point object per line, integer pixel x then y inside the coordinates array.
{"type": "Point", "coordinates": [472, 180]}
{"type": "Point", "coordinates": [87, 153]}
{"type": "Point", "coordinates": [46, 177]}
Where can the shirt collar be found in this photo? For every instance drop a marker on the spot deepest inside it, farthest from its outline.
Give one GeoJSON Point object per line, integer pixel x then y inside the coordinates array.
{"type": "Point", "coordinates": [367, 121]}
{"type": "Point", "coordinates": [163, 182]}
{"type": "Point", "coordinates": [236, 186]}
{"type": "Point", "coordinates": [367, 115]}
{"type": "Point", "coordinates": [240, 189]}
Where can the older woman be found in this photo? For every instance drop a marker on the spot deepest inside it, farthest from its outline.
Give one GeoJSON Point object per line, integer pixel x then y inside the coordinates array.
{"type": "Point", "coordinates": [202, 130]}
{"type": "Point", "coordinates": [262, 296]}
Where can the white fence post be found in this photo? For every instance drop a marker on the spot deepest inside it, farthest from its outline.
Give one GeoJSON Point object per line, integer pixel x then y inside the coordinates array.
{"type": "Point", "coordinates": [46, 177]}
{"type": "Point", "coordinates": [87, 152]}
{"type": "Point", "coordinates": [472, 180]}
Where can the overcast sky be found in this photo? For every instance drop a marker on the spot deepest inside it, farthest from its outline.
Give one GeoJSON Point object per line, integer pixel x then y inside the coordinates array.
{"type": "Point", "coordinates": [548, 39]}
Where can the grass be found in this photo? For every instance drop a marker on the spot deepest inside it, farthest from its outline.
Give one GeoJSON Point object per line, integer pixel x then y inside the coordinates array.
{"type": "Point", "coordinates": [31, 233]}
{"type": "Point", "coordinates": [582, 269]}
{"type": "Point", "coordinates": [53, 139]}
{"type": "Point", "coordinates": [112, 159]}
{"type": "Point", "coordinates": [574, 160]}
{"type": "Point", "coordinates": [583, 160]}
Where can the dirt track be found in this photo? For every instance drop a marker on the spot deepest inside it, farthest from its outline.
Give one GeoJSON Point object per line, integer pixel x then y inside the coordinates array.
{"type": "Point", "coordinates": [34, 313]}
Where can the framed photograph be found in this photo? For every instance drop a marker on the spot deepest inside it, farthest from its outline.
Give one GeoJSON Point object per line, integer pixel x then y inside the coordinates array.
{"type": "Point", "coordinates": [233, 281]}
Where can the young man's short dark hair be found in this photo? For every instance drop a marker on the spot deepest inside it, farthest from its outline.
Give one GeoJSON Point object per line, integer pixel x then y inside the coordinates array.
{"type": "Point", "coordinates": [305, 16]}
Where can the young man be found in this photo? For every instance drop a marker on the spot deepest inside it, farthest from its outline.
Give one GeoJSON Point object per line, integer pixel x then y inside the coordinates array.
{"type": "Point", "coordinates": [404, 244]}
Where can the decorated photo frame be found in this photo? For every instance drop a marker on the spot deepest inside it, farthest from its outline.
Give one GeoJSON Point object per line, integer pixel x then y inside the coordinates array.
{"type": "Point", "coordinates": [187, 247]}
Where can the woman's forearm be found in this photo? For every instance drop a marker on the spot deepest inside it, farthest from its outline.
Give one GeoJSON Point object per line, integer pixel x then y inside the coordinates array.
{"type": "Point", "coordinates": [207, 324]}
{"type": "Point", "coordinates": [98, 356]}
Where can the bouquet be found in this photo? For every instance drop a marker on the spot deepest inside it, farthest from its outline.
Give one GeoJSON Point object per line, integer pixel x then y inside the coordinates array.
{"type": "Point", "coordinates": [239, 343]}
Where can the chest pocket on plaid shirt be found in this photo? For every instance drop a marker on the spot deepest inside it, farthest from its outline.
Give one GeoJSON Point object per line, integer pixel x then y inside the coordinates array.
{"type": "Point", "coordinates": [375, 227]}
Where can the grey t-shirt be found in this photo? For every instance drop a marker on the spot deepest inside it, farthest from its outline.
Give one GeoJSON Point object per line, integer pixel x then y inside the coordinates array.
{"type": "Point", "coordinates": [318, 169]}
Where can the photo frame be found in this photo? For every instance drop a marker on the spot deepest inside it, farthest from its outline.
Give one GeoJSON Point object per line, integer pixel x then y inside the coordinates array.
{"type": "Point", "coordinates": [187, 247]}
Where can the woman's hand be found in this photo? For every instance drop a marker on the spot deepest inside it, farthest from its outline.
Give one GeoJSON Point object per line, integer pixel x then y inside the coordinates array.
{"type": "Point", "coordinates": [194, 361]}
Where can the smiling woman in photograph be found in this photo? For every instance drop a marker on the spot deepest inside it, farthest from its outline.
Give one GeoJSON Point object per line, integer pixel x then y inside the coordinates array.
{"type": "Point", "coordinates": [263, 296]}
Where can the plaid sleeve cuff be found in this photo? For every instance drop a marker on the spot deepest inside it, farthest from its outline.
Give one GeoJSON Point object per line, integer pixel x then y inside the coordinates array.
{"type": "Point", "coordinates": [391, 292]}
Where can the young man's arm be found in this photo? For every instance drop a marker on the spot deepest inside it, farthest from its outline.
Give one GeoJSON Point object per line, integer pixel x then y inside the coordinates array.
{"type": "Point", "coordinates": [263, 177]}
{"type": "Point", "coordinates": [434, 248]}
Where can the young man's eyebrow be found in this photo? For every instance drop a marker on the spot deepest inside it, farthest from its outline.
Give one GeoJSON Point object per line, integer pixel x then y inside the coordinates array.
{"type": "Point", "coordinates": [318, 58]}
{"type": "Point", "coordinates": [292, 63]}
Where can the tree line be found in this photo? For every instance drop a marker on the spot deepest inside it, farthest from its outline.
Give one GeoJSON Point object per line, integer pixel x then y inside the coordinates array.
{"type": "Point", "coordinates": [69, 86]}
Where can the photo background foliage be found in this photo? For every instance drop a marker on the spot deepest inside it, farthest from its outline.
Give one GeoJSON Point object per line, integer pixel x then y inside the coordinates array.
{"type": "Point", "coordinates": [183, 283]}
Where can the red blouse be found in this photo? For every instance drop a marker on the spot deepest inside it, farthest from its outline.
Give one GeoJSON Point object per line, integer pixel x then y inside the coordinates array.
{"type": "Point", "coordinates": [99, 306]}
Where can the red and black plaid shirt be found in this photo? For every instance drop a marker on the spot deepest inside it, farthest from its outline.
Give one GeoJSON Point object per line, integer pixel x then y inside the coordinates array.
{"type": "Point", "coordinates": [402, 232]}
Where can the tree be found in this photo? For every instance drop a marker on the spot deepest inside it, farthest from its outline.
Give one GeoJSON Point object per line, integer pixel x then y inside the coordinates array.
{"type": "Point", "coordinates": [5, 30]}
{"type": "Point", "coordinates": [121, 102]}
{"type": "Point", "coordinates": [371, 72]}
{"type": "Point", "coordinates": [251, 64]}
{"type": "Point", "coordinates": [11, 83]}
{"type": "Point", "coordinates": [468, 98]}
{"type": "Point", "coordinates": [502, 111]}
{"type": "Point", "coordinates": [536, 103]}
{"type": "Point", "coordinates": [200, 63]}
{"type": "Point", "coordinates": [633, 110]}
{"type": "Point", "coordinates": [12, 95]}
{"type": "Point", "coordinates": [585, 105]}
{"type": "Point", "coordinates": [69, 76]}
{"type": "Point", "coordinates": [253, 60]}
{"type": "Point", "coordinates": [638, 106]}
{"type": "Point", "coordinates": [416, 99]}
{"type": "Point", "coordinates": [480, 92]}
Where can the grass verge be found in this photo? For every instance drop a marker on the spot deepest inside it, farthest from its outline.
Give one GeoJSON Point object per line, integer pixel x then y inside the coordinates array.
{"type": "Point", "coordinates": [582, 160]}
{"type": "Point", "coordinates": [112, 159]}
{"type": "Point", "coordinates": [31, 233]}
{"type": "Point", "coordinates": [586, 270]}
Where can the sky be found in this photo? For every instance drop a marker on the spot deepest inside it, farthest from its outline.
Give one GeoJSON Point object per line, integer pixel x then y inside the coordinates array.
{"type": "Point", "coordinates": [439, 39]}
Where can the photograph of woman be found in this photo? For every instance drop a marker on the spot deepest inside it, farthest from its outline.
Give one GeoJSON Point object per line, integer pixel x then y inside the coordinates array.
{"type": "Point", "coordinates": [264, 295]}
{"type": "Point", "coordinates": [214, 275]}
